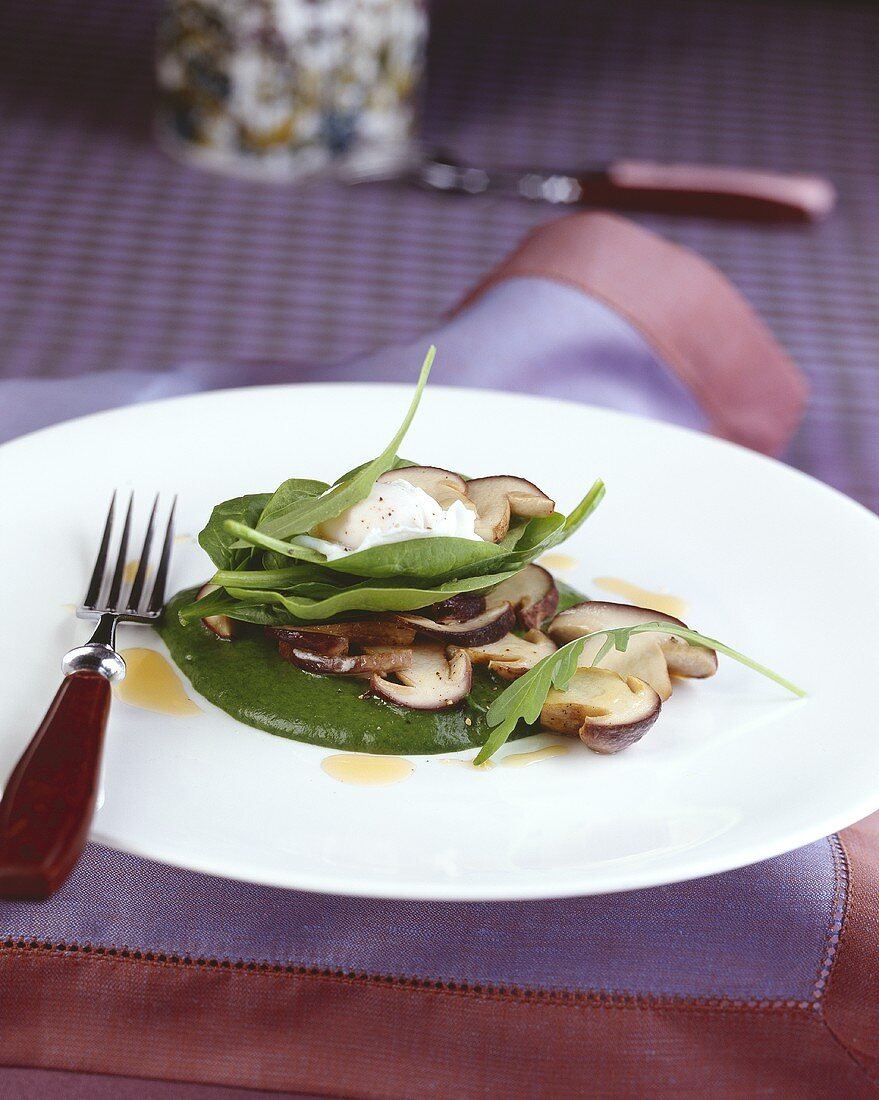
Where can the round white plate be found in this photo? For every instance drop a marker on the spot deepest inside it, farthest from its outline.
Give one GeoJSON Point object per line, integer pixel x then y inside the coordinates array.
{"type": "Point", "coordinates": [734, 771]}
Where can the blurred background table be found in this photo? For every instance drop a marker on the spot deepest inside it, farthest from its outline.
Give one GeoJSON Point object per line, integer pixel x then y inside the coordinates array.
{"type": "Point", "coordinates": [113, 255]}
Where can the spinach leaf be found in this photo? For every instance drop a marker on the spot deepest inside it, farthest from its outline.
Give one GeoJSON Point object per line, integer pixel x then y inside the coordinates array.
{"type": "Point", "coordinates": [302, 515]}
{"type": "Point", "coordinates": [218, 542]}
{"type": "Point", "coordinates": [368, 596]}
{"type": "Point", "coordinates": [288, 493]}
{"type": "Point", "coordinates": [440, 557]}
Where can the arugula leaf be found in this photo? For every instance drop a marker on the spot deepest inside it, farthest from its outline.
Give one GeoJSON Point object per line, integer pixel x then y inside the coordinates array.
{"type": "Point", "coordinates": [302, 515]}
{"type": "Point", "coordinates": [218, 542]}
{"type": "Point", "coordinates": [523, 700]}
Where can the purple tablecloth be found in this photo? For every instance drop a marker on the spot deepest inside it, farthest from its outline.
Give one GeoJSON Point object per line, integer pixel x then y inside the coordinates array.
{"type": "Point", "coordinates": [114, 256]}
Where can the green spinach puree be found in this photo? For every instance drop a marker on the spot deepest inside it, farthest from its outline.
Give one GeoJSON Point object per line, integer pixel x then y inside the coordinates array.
{"type": "Point", "coordinates": [247, 679]}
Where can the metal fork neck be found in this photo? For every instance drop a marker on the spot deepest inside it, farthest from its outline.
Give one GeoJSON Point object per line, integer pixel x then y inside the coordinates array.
{"type": "Point", "coordinates": [98, 654]}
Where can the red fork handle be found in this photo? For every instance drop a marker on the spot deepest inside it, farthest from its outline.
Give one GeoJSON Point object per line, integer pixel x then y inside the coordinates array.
{"type": "Point", "coordinates": [49, 800]}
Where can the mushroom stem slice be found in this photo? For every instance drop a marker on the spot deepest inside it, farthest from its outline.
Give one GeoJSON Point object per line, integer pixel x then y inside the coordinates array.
{"type": "Point", "coordinates": [487, 627]}
{"type": "Point", "coordinates": [511, 656]}
{"type": "Point", "coordinates": [532, 592]}
{"type": "Point", "coordinates": [431, 682]}
{"type": "Point", "coordinates": [643, 657]}
{"type": "Point", "coordinates": [682, 659]}
{"type": "Point", "coordinates": [345, 665]}
{"type": "Point", "coordinates": [497, 498]}
{"type": "Point", "coordinates": [607, 711]}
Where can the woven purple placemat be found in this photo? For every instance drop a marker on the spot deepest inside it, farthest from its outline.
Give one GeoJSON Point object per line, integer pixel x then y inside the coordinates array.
{"type": "Point", "coordinates": [113, 255]}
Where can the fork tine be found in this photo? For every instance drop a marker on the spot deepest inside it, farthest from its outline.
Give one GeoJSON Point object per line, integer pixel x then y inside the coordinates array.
{"type": "Point", "coordinates": [119, 572]}
{"type": "Point", "coordinates": [157, 596]}
{"type": "Point", "coordinates": [144, 564]}
{"type": "Point", "coordinates": [97, 582]}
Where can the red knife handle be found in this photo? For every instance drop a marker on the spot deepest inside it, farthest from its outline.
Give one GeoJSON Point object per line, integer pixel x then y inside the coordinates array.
{"type": "Point", "coordinates": [709, 191]}
{"type": "Point", "coordinates": [49, 800]}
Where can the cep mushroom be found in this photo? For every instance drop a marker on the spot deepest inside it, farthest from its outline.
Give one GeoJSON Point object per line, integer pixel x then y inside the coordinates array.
{"type": "Point", "coordinates": [511, 656]}
{"type": "Point", "coordinates": [360, 664]}
{"type": "Point", "coordinates": [487, 627]}
{"type": "Point", "coordinates": [431, 682]}
{"type": "Point", "coordinates": [445, 486]}
{"type": "Point", "coordinates": [498, 498]}
{"type": "Point", "coordinates": [652, 657]}
{"type": "Point", "coordinates": [221, 625]}
{"type": "Point", "coordinates": [607, 711]}
{"type": "Point", "coordinates": [363, 631]}
{"type": "Point", "coordinates": [458, 608]}
{"type": "Point", "coordinates": [532, 592]}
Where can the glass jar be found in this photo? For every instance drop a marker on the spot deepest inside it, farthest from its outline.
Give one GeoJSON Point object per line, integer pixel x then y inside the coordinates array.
{"type": "Point", "coordinates": [288, 89]}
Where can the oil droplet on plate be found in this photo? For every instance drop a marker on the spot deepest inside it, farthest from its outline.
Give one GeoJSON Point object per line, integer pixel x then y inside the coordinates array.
{"type": "Point", "coordinates": [367, 771]}
{"type": "Point", "coordinates": [152, 684]}
{"type": "Point", "coordinates": [644, 597]}
{"type": "Point", "coordinates": [523, 759]}
{"type": "Point", "coordinates": [558, 561]}
{"type": "Point", "coordinates": [131, 569]}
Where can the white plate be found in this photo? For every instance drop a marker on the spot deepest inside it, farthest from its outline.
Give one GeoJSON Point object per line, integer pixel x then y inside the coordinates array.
{"type": "Point", "coordinates": [734, 771]}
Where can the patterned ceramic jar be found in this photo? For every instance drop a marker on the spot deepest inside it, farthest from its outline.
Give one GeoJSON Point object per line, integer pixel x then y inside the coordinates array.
{"type": "Point", "coordinates": [285, 89]}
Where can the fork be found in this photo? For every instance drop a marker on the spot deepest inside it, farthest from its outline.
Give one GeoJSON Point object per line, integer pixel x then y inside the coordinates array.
{"type": "Point", "coordinates": [50, 797]}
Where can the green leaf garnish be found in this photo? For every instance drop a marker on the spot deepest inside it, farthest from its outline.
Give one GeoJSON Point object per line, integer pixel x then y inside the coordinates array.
{"type": "Point", "coordinates": [523, 700]}
{"type": "Point", "coordinates": [304, 514]}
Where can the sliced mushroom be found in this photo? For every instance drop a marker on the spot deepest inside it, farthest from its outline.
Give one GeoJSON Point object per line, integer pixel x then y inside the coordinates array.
{"type": "Point", "coordinates": [497, 498]}
{"type": "Point", "coordinates": [431, 682]}
{"type": "Point", "coordinates": [390, 660]}
{"type": "Point", "coordinates": [444, 486]}
{"type": "Point", "coordinates": [372, 631]}
{"type": "Point", "coordinates": [221, 625]}
{"type": "Point", "coordinates": [487, 627]}
{"type": "Point", "coordinates": [457, 609]}
{"type": "Point", "coordinates": [607, 711]}
{"type": "Point", "coordinates": [511, 656]}
{"type": "Point", "coordinates": [327, 645]}
{"type": "Point", "coordinates": [682, 659]}
{"type": "Point", "coordinates": [532, 592]}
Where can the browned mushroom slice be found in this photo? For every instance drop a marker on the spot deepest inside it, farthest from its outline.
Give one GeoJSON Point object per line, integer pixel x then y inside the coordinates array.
{"type": "Point", "coordinates": [682, 659]}
{"type": "Point", "coordinates": [608, 712]}
{"type": "Point", "coordinates": [431, 682]}
{"type": "Point", "coordinates": [457, 609]}
{"type": "Point", "coordinates": [360, 664]}
{"type": "Point", "coordinates": [363, 631]}
{"type": "Point", "coordinates": [511, 656]}
{"type": "Point", "coordinates": [444, 486]}
{"type": "Point", "coordinates": [532, 592]}
{"type": "Point", "coordinates": [327, 645]}
{"type": "Point", "coordinates": [487, 627]}
{"type": "Point", "coordinates": [497, 498]}
{"type": "Point", "coordinates": [221, 625]}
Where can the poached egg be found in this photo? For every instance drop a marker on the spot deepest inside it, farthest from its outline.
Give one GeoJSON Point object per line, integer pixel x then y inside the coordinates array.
{"type": "Point", "coordinates": [394, 511]}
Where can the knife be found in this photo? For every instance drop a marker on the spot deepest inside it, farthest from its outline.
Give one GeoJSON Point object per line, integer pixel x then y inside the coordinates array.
{"type": "Point", "coordinates": [699, 190]}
